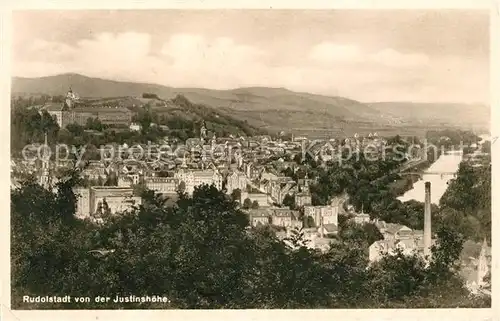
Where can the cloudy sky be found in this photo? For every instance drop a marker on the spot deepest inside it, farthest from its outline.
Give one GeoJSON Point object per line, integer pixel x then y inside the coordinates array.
{"type": "Point", "coordinates": [360, 54]}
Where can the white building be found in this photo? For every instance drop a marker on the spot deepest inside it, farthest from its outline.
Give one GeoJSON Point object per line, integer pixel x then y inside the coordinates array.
{"type": "Point", "coordinates": [194, 178]}
{"type": "Point", "coordinates": [162, 185]}
{"type": "Point", "coordinates": [328, 213]}
{"type": "Point", "coordinates": [236, 180]}
{"type": "Point", "coordinates": [135, 127]}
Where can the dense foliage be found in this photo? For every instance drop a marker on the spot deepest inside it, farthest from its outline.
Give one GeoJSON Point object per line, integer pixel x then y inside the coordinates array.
{"type": "Point", "coordinates": [200, 253]}
{"type": "Point", "coordinates": [466, 204]}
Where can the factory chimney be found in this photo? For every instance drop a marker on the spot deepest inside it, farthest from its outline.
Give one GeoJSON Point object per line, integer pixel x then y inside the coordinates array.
{"type": "Point", "coordinates": [321, 228]}
{"type": "Point", "coordinates": [427, 220]}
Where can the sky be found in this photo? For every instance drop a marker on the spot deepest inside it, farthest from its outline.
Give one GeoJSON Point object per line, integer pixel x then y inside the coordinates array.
{"type": "Point", "coordinates": [367, 55]}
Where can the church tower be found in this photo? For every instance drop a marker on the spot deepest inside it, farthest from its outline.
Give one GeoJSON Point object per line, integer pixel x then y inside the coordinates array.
{"type": "Point", "coordinates": [213, 142]}
{"type": "Point", "coordinates": [69, 98]}
{"type": "Point", "coordinates": [203, 132]}
{"type": "Point", "coordinates": [306, 184]}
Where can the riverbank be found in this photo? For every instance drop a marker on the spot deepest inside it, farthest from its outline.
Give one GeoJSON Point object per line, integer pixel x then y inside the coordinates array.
{"type": "Point", "coordinates": [447, 163]}
{"type": "Point", "coordinates": [405, 183]}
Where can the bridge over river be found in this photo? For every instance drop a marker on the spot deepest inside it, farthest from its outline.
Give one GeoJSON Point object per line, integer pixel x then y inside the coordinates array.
{"type": "Point", "coordinates": [438, 174]}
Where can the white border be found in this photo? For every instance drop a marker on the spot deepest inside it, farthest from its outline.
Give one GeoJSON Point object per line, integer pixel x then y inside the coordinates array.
{"type": "Point", "coordinates": [419, 314]}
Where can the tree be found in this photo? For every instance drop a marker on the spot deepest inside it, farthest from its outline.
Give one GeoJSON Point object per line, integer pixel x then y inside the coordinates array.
{"type": "Point", "coordinates": [297, 239]}
{"type": "Point", "coordinates": [486, 147]}
{"type": "Point", "coordinates": [247, 203]}
{"type": "Point", "coordinates": [106, 210]}
{"type": "Point", "coordinates": [289, 201]}
{"type": "Point", "coordinates": [309, 221]}
{"type": "Point", "coordinates": [94, 124]}
{"type": "Point", "coordinates": [181, 188]}
{"type": "Point", "coordinates": [236, 195]}
{"type": "Point", "coordinates": [111, 180]}
{"type": "Point", "coordinates": [207, 256]}
{"type": "Point", "coordinates": [446, 253]}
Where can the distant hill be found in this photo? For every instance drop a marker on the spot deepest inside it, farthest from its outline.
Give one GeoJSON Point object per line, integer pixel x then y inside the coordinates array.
{"type": "Point", "coordinates": [268, 108]}
{"type": "Point", "coordinates": [464, 115]}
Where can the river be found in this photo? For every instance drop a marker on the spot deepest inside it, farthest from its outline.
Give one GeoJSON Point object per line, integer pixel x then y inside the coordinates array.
{"type": "Point", "coordinates": [449, 163]}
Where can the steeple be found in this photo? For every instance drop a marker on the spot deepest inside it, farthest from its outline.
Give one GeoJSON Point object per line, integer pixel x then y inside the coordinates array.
{"type": "Point", "coordinates": [306, 183]}
{"type": "Point", "coordinates": [44, 176]}
{"type": "Point", "coordinates": [203, 131]}
{"type": "Point", "coordinates": [213, 142]}
{"type": "Point", "coordinates": [184, 165]}
{"type": "Point", "coordinates": [482, 266]}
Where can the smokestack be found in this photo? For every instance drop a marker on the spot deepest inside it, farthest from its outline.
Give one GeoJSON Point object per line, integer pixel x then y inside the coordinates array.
{"type": "Point", "coordinates": [321, 226]}
{"type": "Point", "coordinates": [427, 220]}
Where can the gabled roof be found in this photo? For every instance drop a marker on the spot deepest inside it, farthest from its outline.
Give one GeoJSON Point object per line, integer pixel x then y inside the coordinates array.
{"type": "Point", "coordinates": [264, 181]}
{"type": "Point", "coordinates": [258, 212]}
{"type": "Point", "coordinates": [284, 212]}
{"type": "Point", "coordinates": [330, 228]}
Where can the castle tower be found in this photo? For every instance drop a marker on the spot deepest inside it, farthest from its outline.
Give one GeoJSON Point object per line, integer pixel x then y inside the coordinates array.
{"type": "Point", "coordinates": [427, 220]}
{"type": "Point", "coordinates": [69, 98]}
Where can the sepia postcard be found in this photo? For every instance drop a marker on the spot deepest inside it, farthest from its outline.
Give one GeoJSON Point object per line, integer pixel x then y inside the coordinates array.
{"type": "Point", "coordinates": [260, 162]}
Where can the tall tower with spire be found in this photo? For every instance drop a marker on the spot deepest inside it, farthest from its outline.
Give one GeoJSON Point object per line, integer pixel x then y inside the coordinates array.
{"type": "Point", "coordinates": [184, 164]}
{"type": "Point", "coordinates": [203, 132]}
{"type": "Point", "coordinates": [45, 175]}
{"type": "Point", "coordinates": [306, 183]}
{"type": "Point", "coordinates": [69, 98]}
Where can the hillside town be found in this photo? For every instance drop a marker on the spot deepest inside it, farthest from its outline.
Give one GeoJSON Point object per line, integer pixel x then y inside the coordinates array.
{"type": "Point", "coordinates": [269, 177]}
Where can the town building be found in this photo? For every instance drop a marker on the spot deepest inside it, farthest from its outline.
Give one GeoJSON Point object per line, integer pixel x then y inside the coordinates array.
{"type": "Point", "coordinates": [303, 196]}
{"type": "Point", "coordinates": [400, 237]}
{"type": "Point", "coordinates": [106, 115]}
{"type": "Point", "coordinates": [327, 213]}
{"type": "Point", "coordinates": [280, 187]}
{"type": "Point", "coordinates": [262, 199]}
{"type": "Point", "coordinates": [236, 180]}
{"type": "Point", "coordinates": [281, 217]}
{"type": "Point", "coordinates": [73, 112]}
{"type": "Point", "coordinates": [194, 178]}
{"type": "Point", "coordinates": [162, 185]}
{"type": "Point", "coordinates": [118, 199]}
{"type": "Point", "coordinates": [361, 218]}
{"type": "Point", "coordinates": [259, 217]}
{"type": "Point", "coordinates": [83, 202]}
{"type": "Point", "coordinates": [328, 230]}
